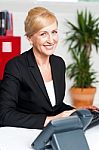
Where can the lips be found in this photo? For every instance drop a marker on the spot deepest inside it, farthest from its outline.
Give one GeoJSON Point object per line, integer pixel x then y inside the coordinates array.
{"type": "Point", "coordinates": [49, 46]}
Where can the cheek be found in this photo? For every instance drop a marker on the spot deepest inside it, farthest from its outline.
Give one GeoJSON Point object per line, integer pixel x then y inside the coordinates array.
{"type": "Point", "coordinates": [56, 38]}
{"type": "Point", "coordinates": [37, 42]}
{"type": "Point", "coordinates": [41, 41]}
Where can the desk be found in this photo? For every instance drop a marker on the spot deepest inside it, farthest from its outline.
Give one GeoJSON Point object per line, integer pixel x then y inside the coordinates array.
{"type": "Point", "coordinates": [20, 139]}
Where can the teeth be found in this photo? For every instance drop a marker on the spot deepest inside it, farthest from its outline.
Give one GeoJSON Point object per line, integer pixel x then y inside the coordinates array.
{"type": "Point", "coordinates": [49, 46]}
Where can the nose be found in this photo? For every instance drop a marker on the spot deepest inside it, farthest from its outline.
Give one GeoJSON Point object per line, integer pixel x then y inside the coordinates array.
{"type": "Point", "coordinates": [50, 39]}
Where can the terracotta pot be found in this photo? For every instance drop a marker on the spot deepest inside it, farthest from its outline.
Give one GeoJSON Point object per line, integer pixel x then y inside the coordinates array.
{"type": "Point", "coordinates": [82, 97]}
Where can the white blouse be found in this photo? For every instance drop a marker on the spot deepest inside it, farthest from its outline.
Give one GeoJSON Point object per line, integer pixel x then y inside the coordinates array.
{"type": "Point", "coordinates": [51, 93]}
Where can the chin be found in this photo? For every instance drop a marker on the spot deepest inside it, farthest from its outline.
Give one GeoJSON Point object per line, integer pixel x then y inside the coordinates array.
{"type": "Point", "coordinates": [50, 53]}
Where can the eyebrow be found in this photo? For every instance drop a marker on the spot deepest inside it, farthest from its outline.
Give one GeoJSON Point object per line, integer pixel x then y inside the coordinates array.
{"type": "Point", "coordinates": [47, 31]}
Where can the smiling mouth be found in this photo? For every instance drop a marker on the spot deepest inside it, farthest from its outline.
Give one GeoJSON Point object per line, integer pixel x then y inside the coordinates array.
{"type": "Point", "coordinates": [49, 46]}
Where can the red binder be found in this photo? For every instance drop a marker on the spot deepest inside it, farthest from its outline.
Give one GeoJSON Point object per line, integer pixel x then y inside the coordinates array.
{"type": "Point", "coordinates": [10, 46]}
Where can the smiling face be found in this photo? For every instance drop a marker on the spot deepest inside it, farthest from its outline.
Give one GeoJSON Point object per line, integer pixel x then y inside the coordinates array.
{"type": "Point", "coordinates": [45, 40]}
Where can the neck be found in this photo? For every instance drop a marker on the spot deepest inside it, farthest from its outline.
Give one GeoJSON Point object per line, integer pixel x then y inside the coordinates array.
{"type": "Point", "coordinates": [42, 60]}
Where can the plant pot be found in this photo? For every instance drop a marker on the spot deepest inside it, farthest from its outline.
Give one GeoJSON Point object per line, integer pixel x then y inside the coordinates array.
{"type": "Point", "coordinates": [82, 97]}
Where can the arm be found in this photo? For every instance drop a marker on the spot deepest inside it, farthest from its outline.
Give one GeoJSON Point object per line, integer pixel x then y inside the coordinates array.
{"type": "Point", "coordinates": [9, 91]}
{"type": "Point", "coordinates": [59, 116]}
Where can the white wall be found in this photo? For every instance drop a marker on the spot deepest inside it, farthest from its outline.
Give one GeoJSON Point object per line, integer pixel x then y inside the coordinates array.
{"type": "Point", "coordinates": [63, 11]}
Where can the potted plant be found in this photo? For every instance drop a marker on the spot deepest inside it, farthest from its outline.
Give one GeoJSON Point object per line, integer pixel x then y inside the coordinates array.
{"type": "Point", "coordinates": [81, 40]}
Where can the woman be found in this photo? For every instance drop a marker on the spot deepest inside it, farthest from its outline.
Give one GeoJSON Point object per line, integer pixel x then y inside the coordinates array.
{"type": "Point", "coordinates": [33, 86]}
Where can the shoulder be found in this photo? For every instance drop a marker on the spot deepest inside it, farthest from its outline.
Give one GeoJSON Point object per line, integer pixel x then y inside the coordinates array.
{"type": "Point", "coordinates": [16, 64]}
{"type": "Point", "coordinates": [58, 60]}
{"type": "Point", "coordinates": [17, 59]}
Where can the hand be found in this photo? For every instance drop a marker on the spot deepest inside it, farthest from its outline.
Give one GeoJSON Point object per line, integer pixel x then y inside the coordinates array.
{"type": "Point", "coordinates": [94, 108]}
{"type": "Point", "coordinates": [65, 113]}
{"type": "Point", "coordinates": [61, 115]}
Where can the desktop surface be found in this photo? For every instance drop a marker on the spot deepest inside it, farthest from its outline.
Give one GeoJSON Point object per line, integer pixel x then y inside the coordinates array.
{"type": "Point", "coordinates": [12, 138]}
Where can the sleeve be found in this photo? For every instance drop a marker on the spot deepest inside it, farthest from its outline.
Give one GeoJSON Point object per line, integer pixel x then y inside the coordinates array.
{"type": "Point", "coordinates": [9, 90]}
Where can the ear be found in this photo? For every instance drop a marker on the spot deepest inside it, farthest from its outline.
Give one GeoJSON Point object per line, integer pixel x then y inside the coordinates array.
{"type": "Point", "coordinates": [30, 41]}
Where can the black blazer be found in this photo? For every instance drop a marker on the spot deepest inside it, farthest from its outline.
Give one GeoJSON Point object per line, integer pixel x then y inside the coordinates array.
{"type": "Point", "coordinates": [24, 101]}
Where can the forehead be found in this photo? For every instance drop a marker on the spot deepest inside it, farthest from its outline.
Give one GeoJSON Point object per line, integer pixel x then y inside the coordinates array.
{"type": "Point", "coordinates": [49, 28]}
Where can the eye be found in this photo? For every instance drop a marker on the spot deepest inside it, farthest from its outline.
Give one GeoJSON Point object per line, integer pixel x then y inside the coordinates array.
{"type": "Point", "coordinates": [54, 32]}
{"type": "Point", "coordinates": [43, 34]}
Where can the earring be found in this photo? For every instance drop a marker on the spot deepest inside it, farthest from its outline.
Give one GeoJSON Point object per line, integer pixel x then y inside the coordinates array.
{"type": "Point", "coordinates": [31, 43]}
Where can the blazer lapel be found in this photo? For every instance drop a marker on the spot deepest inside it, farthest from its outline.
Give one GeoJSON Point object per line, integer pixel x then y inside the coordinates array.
{"type": "Point", "coordinates": [55, 77]}
{"type": "Point", "coordinates": [37, 76]}
{"type": "Point", "coordinates": [36, 72]}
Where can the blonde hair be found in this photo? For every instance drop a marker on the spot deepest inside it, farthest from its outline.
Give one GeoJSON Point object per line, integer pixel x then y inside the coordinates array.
{"type": "Point", "coordinates": [38, 18]}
